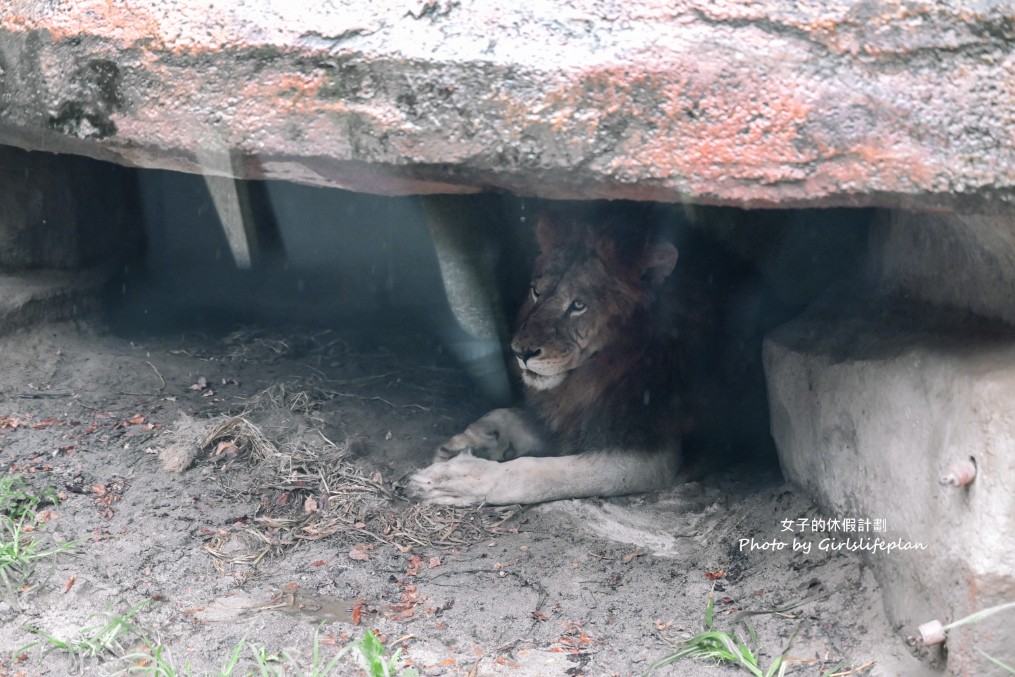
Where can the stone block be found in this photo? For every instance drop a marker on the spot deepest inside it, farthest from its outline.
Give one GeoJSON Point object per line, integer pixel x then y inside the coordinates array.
{"type": "Point", "coordinates": [962, 261]}
{"type": "Point", "coordinates": [867, 415]}
{"type": "Point", "coordinates": [28, 298]}
{"type": "Point", "coordinates": [64, 212]}
{"type": "Point", "coordinates": [745, 103]}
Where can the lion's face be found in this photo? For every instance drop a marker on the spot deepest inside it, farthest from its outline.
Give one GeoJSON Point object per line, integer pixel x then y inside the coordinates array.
{"type": "Point", "coordinates": [586, 290]}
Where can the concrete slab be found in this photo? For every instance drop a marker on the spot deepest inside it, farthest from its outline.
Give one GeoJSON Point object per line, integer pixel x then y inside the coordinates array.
{"type": "Point", "coordinates": [962, 261]}
{"type": "Point", "coordinates": [30, 297]}
{"type": "Point", "coordinates": [748, 103]}
{"type": "Point", "coordinates": [868, 413]}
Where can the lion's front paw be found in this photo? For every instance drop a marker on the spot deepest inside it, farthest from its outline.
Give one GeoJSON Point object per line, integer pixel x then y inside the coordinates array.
{"type": "Point", "coordinates": [483, 439]}
{"type": "Point", "coordinates": [464, 480]}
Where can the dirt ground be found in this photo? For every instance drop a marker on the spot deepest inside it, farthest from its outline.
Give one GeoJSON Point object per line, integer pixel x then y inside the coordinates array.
{"type": "Point", "coordinates": [289, 524]}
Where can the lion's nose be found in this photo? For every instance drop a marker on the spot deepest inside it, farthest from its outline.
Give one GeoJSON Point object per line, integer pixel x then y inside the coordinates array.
{"type": "Point", "coordinates": [525, 354]}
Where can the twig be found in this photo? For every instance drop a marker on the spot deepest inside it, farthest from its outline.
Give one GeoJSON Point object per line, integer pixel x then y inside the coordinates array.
{"type": "Point", "coordinates": [853, 671]}
{"type": "Point", "coordinates": [368, 398]}
{"type": "Point", "coordinates": [163, 386]}
{"type": "Point", "coordinates": [149, 395]}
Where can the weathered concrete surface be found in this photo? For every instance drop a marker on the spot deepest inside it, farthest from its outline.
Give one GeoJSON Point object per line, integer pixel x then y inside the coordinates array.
{"type": "Point", "coordinates": [867, 416]}
{"type": "Point", "coordinates": [965, 262]}
{"type": "Point", "coordinates": [731, 102]}
{"type": "Point", "coordinates": [64, 212]}
{"type": "Point", "coordinates": [28, 298]}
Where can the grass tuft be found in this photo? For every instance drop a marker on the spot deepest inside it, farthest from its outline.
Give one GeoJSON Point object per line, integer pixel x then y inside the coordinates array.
{"type": "Point", "coordinates": [121, 641]}
{"type": "Point", "coordinates": [375, 659]}
{"type": "Point", "coordinates": [91, 643]}
{"type": "Point", "coordinates": [725, 647]}
{"type": "Point", "coordinates": [21, 546]}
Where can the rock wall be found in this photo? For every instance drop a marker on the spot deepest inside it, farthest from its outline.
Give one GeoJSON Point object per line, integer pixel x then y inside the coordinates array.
{"type": "Point", "coordinates": [868, 414]}
{"type": "Point", "coordinates": [965, 262]}
{"type": "Point", "coordinates": [64, 212]}
{"type": "Point", "coordinates": [733, 102]}
{"type": "Point", "coordinates": [880, 388]}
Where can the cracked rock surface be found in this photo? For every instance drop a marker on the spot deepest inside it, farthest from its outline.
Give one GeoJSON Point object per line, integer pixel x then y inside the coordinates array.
{"type": "Point", "coordinates": [754, 104]}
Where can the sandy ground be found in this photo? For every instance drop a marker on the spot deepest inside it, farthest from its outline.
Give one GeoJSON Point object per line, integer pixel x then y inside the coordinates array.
{"type": "Point", "coordinates": [289, 523]}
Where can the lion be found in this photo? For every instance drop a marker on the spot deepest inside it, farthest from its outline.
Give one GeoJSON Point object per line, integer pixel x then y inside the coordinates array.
{"type": "Point", "coordinates": [603, 346]}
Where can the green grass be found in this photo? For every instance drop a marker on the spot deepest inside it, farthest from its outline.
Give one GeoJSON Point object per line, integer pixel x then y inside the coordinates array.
{"type": "Point", "coordinates": [18, 500]}
{"type": "Point", "coordinates": [22, 546]}
{"type": "Point", "coordinates": [1003, 666]}
{"type": "Point", "coordinates": [157, 662]}
{"type": "Point", "coordinates": [724, 646]}
{"type": "Point", "coordinates": [319, 669]}
{"type": "Point", "coordinates": [976, 618]}
{"type": "Point", "coordinates": [980, 615]}
{"type": "Point", "coordinates": [377, 663]}
{"type": "Point", "coordinates": [110, 642]}
{"type": "Point", "coordinates": [91, 643]}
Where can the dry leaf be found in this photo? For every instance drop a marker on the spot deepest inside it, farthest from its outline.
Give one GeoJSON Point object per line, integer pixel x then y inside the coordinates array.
{"type": "Point", "coordinates": [226, 448]}
{"type": "Point", "coordinates": [70, 583]}
{"type": "Point", "coordinates": [136, 419]}
{"type": "Point", "coordinates": [629, 557]}
{"type": "Point", "coordinates": [715, 575]}
{"type": "Point", "coordinates": [361, 552]}
{"type": "Point", "coordinates": [433, 563]}
{"type": "Point", "coordinates": [310, 505]}
{"type": "Point", "coordinates": [10, 423]}
{"type": "Point", "coordinates": [357, 612]}
{"type": "Point", "coordinates": [400, 612]}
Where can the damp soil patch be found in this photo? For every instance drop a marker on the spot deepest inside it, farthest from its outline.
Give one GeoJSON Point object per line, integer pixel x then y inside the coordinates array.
{"type": "Point", "coordinates": [240, 491]}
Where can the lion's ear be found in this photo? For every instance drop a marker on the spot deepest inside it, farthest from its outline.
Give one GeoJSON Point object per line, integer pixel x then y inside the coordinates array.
{"type": "Point", "coordinates": [554, 231]}
{"type": "Point", "coordinates": [659, 261]}
{"type": "Point", "coordinates": [548, 233]}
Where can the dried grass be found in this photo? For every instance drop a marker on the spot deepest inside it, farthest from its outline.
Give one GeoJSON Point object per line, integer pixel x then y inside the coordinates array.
{"type": "Point", "coordinates": [239, 436]}
{"type": "Point", "coordinates": [252, 344]}
{"type": "Point", "coordinates": [285, 396]}
{"type": "Point", "coordinates": [315, 489]}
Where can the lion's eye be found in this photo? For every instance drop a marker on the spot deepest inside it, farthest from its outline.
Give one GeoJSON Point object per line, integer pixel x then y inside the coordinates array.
{"type": "Point", "coordinates": [533, 292]}
{"type": "Point", "coordinates": [577, 308]}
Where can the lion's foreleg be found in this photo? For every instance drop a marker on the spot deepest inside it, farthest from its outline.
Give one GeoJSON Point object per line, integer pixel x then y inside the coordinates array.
{"type": "Point", "coordinates": [467, 480]}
